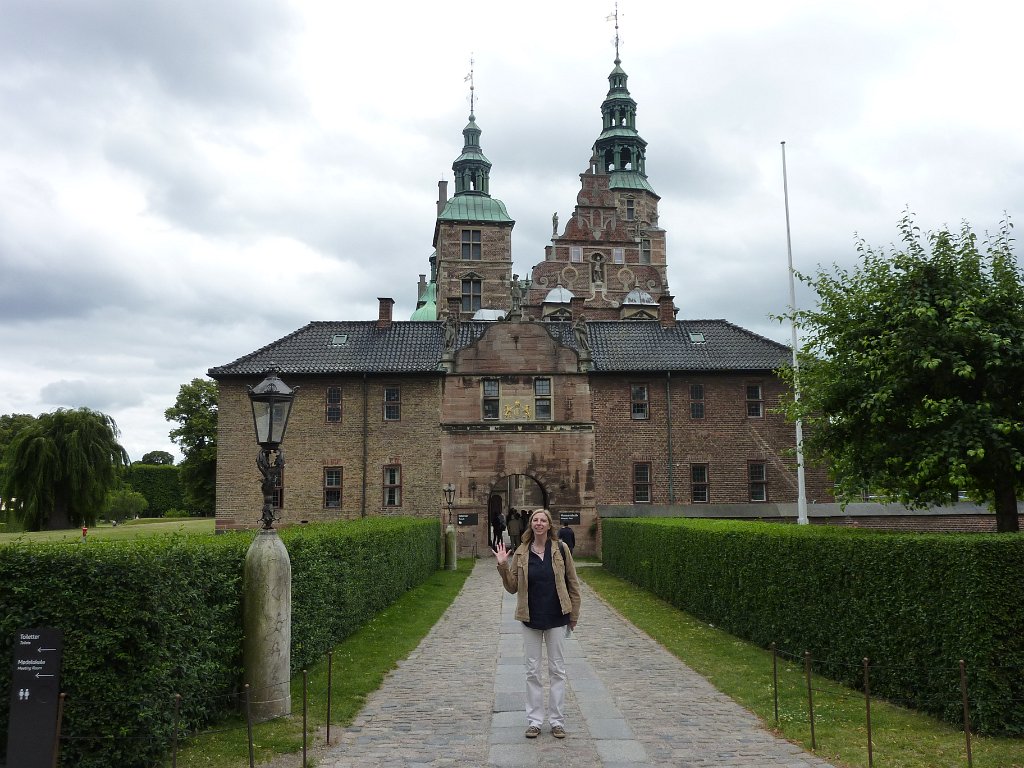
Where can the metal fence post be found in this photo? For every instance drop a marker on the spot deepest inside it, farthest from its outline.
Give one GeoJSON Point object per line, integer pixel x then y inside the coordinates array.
{"type": "Point", "coordinates": [174, 737]}
{"type": "Point", "coordinates": [60, 720]}
{"type": "Point", "coordinates": [248, 726]}
{"type": "Point", "coordinates": [305, 699]}
{"type": "Point", "coordinates": [330, 665]}
{"type": "Point", "coordinates": [775, 683]}
{"type": "Point", "coordinates": [867, 705]}
{"type": "Point", "coordinates": [967, 711]}
{"type": "Point", "coordinates": [810, 696]}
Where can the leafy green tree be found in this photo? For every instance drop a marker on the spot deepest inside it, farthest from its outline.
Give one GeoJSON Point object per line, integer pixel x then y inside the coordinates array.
{"type": "Point", "coordinates": [10, 425]}
{"type": "Point", "coordinates": [157, 457]}
{"type": "Point", "coordinates": [912, 371]}
{"type": "Point", "coordinates": [58, 469]}
{"type": "Point", "coordinates": [195, 411]}
{"type": "Point", "coordinates": [125, 504]}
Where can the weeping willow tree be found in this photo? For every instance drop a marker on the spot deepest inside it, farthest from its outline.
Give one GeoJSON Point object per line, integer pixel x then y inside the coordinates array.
{"type": "Point", "coordinates": [57, 470]}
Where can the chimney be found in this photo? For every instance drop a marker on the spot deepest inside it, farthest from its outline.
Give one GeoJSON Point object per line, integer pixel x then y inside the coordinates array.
{"type": "Point", "coordinates": [455, 306]}
{"type": "Point", "coordinates": [421, 287]}
{"type": "Point", "coordinates": [442, 196]}
{"type": "Point", "coordinates": [576, 306]}
{"type": "Point", "coordinates": [384, 316]}
{"type": "Point", "coordinates": [666, 311]}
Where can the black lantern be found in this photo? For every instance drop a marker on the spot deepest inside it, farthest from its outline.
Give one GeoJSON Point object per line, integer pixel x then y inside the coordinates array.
{"type": "Point", "coordinates": [449, 498]}
{"type": "Point", "coordinates": [271, 405]}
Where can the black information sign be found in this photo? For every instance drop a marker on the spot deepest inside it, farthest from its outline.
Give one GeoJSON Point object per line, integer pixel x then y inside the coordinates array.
{"type": "Point", "coordinates": [569, 518]}
{"type": "Point", "coordinates": [470, 518]}
{"type": "Point", "coordinates": [35, 689]}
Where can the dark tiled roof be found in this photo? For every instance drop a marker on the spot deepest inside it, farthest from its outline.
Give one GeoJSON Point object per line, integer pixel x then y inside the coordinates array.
{"type": "Point", "coordinates": [644, 345]}
{"type": "Point", "coordinates": [416, 347]}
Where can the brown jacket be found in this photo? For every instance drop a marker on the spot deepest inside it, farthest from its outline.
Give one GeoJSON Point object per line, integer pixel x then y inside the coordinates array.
{"type": "Point", "coordinates": [567, 584]}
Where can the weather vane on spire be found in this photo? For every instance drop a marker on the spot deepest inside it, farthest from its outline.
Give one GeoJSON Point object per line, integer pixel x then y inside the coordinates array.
{"type": "Point", "coordinates": [469, 78]}
{"type": "Point", "coordinates": [615, 16]}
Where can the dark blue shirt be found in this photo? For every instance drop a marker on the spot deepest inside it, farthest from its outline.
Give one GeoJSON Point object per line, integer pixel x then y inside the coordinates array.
{"type": "Point", "coordinates": [545, 610]}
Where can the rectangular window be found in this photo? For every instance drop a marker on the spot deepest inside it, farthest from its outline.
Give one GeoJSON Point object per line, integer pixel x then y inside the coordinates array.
{"type": "Point", "coordinates": [542, 399]}
{"type": "Point", "coordinates": [630, 209]}
{"type": "Point", "coordinates": [471, 244]}
{"type": "Point", "coordinates": [332, 487]}
{"type": "Point", "coordinates": [393, 486]}
{"type": "Point", "coordinates": [758, 474]}
{"type": "Point", "coordinates": [699, 483]}
{"type": "Point", "coordinates": [755, 403]}
{"type": "Point", "coordinates": [696, 401]}
{"type": "Point", "coordinates": [491, 392]}
{"type": "Point", "coordinates": [618, 255]}
{"type": "Point", "coordinates": [279, 490]}
{"type": "Point", "coordinates": [333, 405]}
{"type": "Point", "coordinates": [576, 254]}
{"type": "Point", "coordinates": [471, 292]}
{"type": "Point", "coordinates": [645, 251]}
{"type": "Point", "coordinates": [642, 483]}
{"type": "Point", "coordinates": [392, 404]}
{"type": "Point", "coordinates": [640, 405]}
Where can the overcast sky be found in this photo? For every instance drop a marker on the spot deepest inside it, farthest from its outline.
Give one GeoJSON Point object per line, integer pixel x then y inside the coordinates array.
{"type": "Point", "coordinates": [184, 182]}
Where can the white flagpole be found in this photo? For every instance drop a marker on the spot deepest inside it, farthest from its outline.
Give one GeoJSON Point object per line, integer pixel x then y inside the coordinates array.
{"type": "Point", "coordinates": [801, 504]}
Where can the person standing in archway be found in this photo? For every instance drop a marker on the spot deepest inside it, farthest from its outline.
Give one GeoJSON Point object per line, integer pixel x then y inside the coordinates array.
{"type": "Point", "coordinates": [542, 575]}
{"type": "Point", "coordinates": [515, 528]}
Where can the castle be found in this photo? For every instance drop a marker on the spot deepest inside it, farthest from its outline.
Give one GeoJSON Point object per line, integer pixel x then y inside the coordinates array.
{"type": "Point", "coordinates": [576, 388]}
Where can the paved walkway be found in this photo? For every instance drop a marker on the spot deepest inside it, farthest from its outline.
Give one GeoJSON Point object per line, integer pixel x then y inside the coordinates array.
{"type": "Point", "coordinates": [458, 700]}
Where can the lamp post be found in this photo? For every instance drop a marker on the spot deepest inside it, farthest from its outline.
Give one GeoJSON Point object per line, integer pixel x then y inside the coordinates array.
{"type": "Point", "coordinates": [267, 579]}
{"type": "Point", "coordinates": [450, 553]}
{"type": "Point", "coordinates": [271, 406]}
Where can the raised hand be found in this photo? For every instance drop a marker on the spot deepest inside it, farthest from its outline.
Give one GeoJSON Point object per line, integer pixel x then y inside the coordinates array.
{"type": "Point", "coordinates": [501, 552]}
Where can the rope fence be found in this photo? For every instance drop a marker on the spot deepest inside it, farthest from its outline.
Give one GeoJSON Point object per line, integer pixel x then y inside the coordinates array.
{"type": "Point", "coordinates": [241, 700]}
{"type": "Point", "coordinates": [807, 662]}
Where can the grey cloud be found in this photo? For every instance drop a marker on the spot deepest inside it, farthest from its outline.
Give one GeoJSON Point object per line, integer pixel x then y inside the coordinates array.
{"type": "Point", "coordinates": [217, 54]}
{"type": "Point", "coordinates": [98, 395]}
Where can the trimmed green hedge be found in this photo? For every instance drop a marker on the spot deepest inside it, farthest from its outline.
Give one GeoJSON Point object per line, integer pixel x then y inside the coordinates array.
{"type": "Point", "coordinates": [146, 618]}
{"type": "Point", "coordinates": [914, 604]}
{"type": "Point", "coordinates": [160, 484]}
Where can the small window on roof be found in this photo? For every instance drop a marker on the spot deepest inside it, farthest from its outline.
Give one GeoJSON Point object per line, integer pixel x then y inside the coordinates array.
{"type": "Point", "coordinates": [697, 337]}
{"type": "Point", "coordinates": [339, 340]}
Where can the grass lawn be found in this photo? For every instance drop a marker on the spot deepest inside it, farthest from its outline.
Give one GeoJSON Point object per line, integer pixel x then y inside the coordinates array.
{"type": "Point", "coordinates": [360, 663]}
{"type": "Point", "coordinates": [150, 526]}
{"type": "Point", "coordinates": [743, 672]}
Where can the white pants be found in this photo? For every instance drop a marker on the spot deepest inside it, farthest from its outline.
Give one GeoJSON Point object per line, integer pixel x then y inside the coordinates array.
{"type": "Point", "coordinates": [532, 640]}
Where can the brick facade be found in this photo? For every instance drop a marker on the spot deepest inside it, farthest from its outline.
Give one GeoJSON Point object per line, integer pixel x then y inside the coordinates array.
{"type": "Point", "coordinates": [518, 411]}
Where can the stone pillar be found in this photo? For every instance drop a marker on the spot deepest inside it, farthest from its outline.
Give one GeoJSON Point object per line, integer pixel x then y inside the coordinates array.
{"type": "Point", "coordinates": [267, 645]}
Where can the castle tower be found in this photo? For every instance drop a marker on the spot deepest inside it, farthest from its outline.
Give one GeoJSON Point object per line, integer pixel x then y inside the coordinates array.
{"type": "Point", "coordinates": [611, 252]}
{"type": "Point", "coordinates": [472, 236]}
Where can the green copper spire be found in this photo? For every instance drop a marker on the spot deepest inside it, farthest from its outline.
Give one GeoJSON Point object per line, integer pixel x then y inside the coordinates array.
{"type": "Point", "coordinates": [472, 169]}
{"type": "Point", "coordinates": [619, 150]}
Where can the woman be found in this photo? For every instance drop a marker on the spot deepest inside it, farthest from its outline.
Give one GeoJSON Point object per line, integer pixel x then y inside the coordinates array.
{"type": "Point", "coordinates": [543, 576]}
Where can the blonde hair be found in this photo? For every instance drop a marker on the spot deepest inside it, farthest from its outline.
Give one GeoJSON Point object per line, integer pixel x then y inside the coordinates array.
{"type": "Point", "coordinates": [527, 536]}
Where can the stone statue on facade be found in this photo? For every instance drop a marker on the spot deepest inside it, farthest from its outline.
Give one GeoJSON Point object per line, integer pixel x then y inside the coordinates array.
{"type": "Point", "coordinates": [517, 295]}
{"type": "Point", "coordinates": [554, 224]}
{"type": "Point", "coordinates": [451, 327]}
{"type": "Point", "coordinates": [582, 337]}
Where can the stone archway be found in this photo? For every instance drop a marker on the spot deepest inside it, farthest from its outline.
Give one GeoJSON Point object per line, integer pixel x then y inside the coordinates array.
{"type": "Point", "coordinates": [520, 494]}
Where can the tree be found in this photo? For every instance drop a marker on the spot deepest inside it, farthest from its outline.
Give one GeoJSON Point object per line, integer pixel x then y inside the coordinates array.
{"type": "Point", "coordinates": [157, 457]}
{"type": "Point", "coordinates": [10, 425]}
{"type": "Point", "coordinates": [58, 469]}
{"type": "Point", "coordinates": [912, 369]}
{"type": "Point", "coordinates": [125, 504]}
{"type": "Point", "coordinates": [195, 410]}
